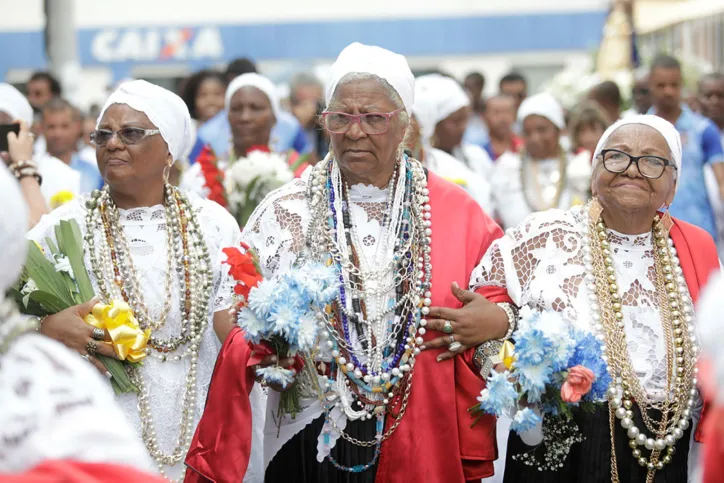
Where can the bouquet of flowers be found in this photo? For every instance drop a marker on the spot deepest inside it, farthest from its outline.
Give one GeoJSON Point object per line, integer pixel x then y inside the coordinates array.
{"type": "Point", "coordinates": [280, 317]}
{"type": "Point", "coordinates": [51, 284]}
{"type": "Point", "coordinates": [551, 369]}
{"type": "Point", "coordinates": [245, 183]}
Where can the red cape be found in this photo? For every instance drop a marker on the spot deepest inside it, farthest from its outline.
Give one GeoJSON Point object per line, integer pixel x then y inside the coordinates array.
{"type": "Point", "coordinates": [61, 471]}
{"type": "Point", "coordinates": [221, 446]}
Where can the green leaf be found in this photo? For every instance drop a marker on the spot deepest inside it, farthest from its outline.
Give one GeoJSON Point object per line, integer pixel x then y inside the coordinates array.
{"type": "Point", "coordinates": [70, 242]}
{"type": "Point", "coordinates": [45, 277]}
{"type": "Point", "coordinates": [48, 301]}
{"type": "Point", "coordinates": [51, 245]}
{"type": "Point", "coordinates": [120, 377]}
{"type": "Point", "coordinates": [33, 307]}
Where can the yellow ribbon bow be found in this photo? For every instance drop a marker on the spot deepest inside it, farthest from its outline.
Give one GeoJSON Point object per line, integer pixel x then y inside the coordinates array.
{"type": "Point", "coordinates": [128, 339]}
{"type": "Point", "coordinates": [507, 354]}
{"type": "Point", "coordinates": [60, 198]}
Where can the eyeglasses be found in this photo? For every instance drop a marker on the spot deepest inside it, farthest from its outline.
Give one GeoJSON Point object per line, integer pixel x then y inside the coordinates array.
{"type": "Point", "coordinates": [651, 167]}
{"type": "Point", "coordinates": [127, 135]}
{"type": "Point", "coordinates": [370, 123]}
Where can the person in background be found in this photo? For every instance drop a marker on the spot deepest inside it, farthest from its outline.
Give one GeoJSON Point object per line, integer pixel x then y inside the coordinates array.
{"type": "Point", "coordinates": [608, 96]}
{"type": "Point", "coordinates": [88, 125]}
{"type": "Point", "coordinates": [59, 181]}
{"type": "Point", "coordinates": [543, 175]}
{"type": "Point", "coordinates": [477, 131]}
{"type": "Point", "coordinates": [640, 94]}
{"type": "Point", "coordinates": [62, 128]}
{"type": "Point", "coordinates": [586, 126]}
{"type": "Point", "coordinates": [41, 88]}
{"type": "Point", "coordinates": [442, 109]}
{"type": "Point", "coordinates": [514, 85]}
{"type": "Point", "coordinates": [203, 94]}
{"type": "Point", "coordinates": [306, 96]}
{"type": "Point", "coordinates": [711, 99]}
{"type": "Point", "coordinates": [700, 140]}
{"type": "Point", "coordinates": [500, 118]}
{"type": "Point", "coordinates": [691, 100]}
{"type": "Point", "coordinates": [216, 132]}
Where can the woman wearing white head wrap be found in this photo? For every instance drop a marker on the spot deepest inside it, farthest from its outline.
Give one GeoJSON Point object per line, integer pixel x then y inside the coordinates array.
{"type": "Point", "coordinates": [252, 104]}
{"type": "Point", "coordinates": [58, 424]}
{"type": "Point", "coordinates": [60, 180]}
{"type": "Point", "coordinates": [442, 109]}
{"type": "Point", "coordinates": [542, 175]}
{"type": "Point", "coordinates": [148, 243]}
{"type": "Point", "coordinates": [371, 210]}
{"type": "Point", "coordinates": [626, 272]}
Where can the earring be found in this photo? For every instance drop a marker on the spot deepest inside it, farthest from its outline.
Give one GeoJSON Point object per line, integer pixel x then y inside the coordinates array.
{"type": "Point", "coordinates": [167, 172]}
{"type": "Point", "coordinates": [595, 209]}
{"type": "Point", "coordinates": [666, 221]}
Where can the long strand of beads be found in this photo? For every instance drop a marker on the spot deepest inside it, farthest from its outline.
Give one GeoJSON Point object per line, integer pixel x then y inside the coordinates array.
{"type": "Point", "coordinates": [625, 384]}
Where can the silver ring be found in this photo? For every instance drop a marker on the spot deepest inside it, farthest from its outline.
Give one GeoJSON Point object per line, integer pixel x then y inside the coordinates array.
{"type": "Point", "coordinates": [454, 347]}
{"type": "Point", "coordinates": [91, 347]}
{"type": "Point", "coordinates": [451, 338]}
{"type": "Point", "coordinates": [86, 357]}
{"type": "Point", "coordinates": [99, 334]}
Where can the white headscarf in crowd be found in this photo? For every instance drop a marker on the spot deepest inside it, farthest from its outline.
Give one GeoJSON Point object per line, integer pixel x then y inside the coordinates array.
{"type": "Point", "coordinates": [436, 97]}
{"type": "Point", "coordinates": [260, 82]}
{"type": "Point", "coordinates": [664, 127]}
{"type": "Point", "coordinates": [14, 103]}
{"type": "Point", "coordinates": [164, 109]}
{"type": "Point", "coordinates": [13, 225]}
{"type": "Point", "coordinates": [544, 105]}
{"type": "Point", "coordinates": [364, 59]}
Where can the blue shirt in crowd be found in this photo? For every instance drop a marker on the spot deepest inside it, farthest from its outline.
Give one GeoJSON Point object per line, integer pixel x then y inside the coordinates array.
{"type": "Point", "coordinates": [90, 176]}
{"type": "Point", "coordinates": [701, 145]}
{"type": "Point", "coordinates": [287, 134]}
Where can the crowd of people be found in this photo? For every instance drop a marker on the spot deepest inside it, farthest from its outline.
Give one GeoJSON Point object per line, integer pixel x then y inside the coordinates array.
{"type": "Point", "coordinates": [443, 213]}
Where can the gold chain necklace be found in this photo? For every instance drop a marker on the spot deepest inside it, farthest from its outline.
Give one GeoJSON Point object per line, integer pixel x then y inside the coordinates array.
{"type": "Point", "coordinates": [539, 204]}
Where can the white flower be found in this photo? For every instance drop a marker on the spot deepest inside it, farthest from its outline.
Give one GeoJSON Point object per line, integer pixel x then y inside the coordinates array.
{"type": "Point", "coordinates": [263, 296]}
{"type": "Point", "coordinates": [254, 327]}
{"type": "Point", "coordinates": [62, 264]}
{"type": "Point", "coordinates": [276, 375]}
{"type": "Point", "coordinates": [29, 287]}
{"type": "Point", "coordinates": [307, 332]}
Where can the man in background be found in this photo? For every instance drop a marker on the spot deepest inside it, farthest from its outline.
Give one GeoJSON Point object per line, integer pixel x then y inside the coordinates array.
{"type": "Point", "coordinates": [42, 87]}
{"type": "Point", "coordinates": [700, 142]}
{"type": "Point", "coordinates": [514, 84]}
{"type": "Point", "coordinates": [500, 118]}
{"type": "Point", "coordinates": [640, 94]}
{"type": "Point", "coordinates": [476, 132]}
{"type": "Point", "coordinates": [711, 99]}
{"type": "Point", "coordinates": [306, 95]}
{"type": "Point", "coordinates": [61, 123]}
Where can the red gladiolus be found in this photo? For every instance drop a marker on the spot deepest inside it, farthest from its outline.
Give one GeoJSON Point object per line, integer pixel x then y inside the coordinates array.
{"type": "Point", "coordinates": [243, 269]}
{"type": "Point", "coordinates": [213, 176]}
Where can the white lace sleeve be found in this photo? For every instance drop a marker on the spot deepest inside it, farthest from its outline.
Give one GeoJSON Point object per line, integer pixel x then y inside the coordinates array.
{"type": "Point", "coordinates": [277, 227]}
{"type": "Point", "coordinates": [221, 232]}
{"type": "Point", "coordinates": [56, 406]}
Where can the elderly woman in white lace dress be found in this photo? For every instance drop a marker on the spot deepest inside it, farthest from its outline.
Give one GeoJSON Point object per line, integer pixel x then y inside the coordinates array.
{"type": "Point", "coordinates": [160, 250]}
{"type": "Point", "coordinates": [58, 419]}
{"type": "Point", "coordinates": [618, 268]}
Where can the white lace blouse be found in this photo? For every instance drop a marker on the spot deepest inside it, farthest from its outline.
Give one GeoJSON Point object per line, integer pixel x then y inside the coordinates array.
{"type": "Point", "coordinates": [540, 264]}
{"type": "Point", "coordinates": [145, 229]}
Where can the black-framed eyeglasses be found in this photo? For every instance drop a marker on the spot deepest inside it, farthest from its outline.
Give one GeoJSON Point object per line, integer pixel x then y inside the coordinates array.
{"type": "Point", "coordinates": [651, 167]}
{"type": "Point", "coordinates": [127, 135]}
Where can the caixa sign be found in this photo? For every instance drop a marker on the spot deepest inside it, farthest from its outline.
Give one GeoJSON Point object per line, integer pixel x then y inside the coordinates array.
{"type": "Point", "coordinates": [157, 44]}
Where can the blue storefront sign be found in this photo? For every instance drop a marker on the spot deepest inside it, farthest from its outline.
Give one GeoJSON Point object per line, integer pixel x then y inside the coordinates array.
{"type": "Point", "coordinates": [197, 46]}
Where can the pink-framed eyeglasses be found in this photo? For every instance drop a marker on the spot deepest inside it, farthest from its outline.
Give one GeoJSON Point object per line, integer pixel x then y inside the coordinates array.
{"type": "Point", "coordinates": [370, 123]}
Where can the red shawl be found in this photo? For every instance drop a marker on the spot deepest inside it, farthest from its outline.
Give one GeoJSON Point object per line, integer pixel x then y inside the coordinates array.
{"type": "Point", "coordinates": [434, 441]}
{"type": "Point", "coordinates": [66, 471]}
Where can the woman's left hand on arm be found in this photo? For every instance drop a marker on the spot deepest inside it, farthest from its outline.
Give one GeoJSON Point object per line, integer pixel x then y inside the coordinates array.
{"type": "Point", "coordinates": [224, 321]}
{"type": "Point", "coordinates": [477, 321]}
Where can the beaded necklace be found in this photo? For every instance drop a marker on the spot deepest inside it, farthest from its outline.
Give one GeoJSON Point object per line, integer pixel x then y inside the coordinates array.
{"type": "Point", "coordinates": [188, 257]}
{"type": "Point", "coordinates": [373, 347]}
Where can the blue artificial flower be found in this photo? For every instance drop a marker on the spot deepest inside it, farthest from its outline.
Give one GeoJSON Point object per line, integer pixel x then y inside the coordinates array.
{"type": "Point", "coordinates": [532, 347]}
{"type": "Point", "coordinates": [533, 379]}
{"type": "Point", "coordinates": [524, 420]}
{"type": "Point", "coordinates": [285, 319]}
{"type": "Point", "coordinates": [276, 375]}
{"type": "Point", "coordinates": [499, 394]}
{"type": "Point", "coordinates": [254, 327]}
{"type": "Point", "coordinates": [263, 297]}
{"type": "Point", "coordinates": [587, 353]}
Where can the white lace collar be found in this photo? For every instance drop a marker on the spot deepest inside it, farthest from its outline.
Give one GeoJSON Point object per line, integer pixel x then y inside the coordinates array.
{"type": "Point", "coordinates": [367, 193]}
{"type": "Point", "coordinates": [644, 241]}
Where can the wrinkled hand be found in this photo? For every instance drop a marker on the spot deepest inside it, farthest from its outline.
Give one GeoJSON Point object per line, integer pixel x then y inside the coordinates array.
{"type": "Point", "coordinates": [271, 360]}
{"type": "Point", "coordinates": [20, 146]}
{"type": "Point", "coordinates": [68, 328]}
{"type": "Point", "coordinates": [477, 321]}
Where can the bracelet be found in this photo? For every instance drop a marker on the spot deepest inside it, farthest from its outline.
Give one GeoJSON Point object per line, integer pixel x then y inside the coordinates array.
{"type": "Point", "coordinates": [39, 322]}
{"type": "Point", "coordinates": [23, 164]}
{"type": "Point", "coordinates": [486, 355]}
{"type": "Point", "coordinates": [28, 172]}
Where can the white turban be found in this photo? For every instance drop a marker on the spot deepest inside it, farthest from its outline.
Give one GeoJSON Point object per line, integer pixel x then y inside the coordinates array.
{"type": "Point", "coordinates": [664, 127]}
{"type": "Point", "coordinates": [364, 59]}
{"type": "Point", "coordinates": [436, 97]}
{"type": "Point", "coordinates": [260, 82]}
{"type": "Point", "coordinates": [15, 104]}
{"type": "Point", "coordinates": [544, 105]}
{"type": "Point", "coordinates": [13, 225]}
{"type": "Point", "coordinates": [164, 109]}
